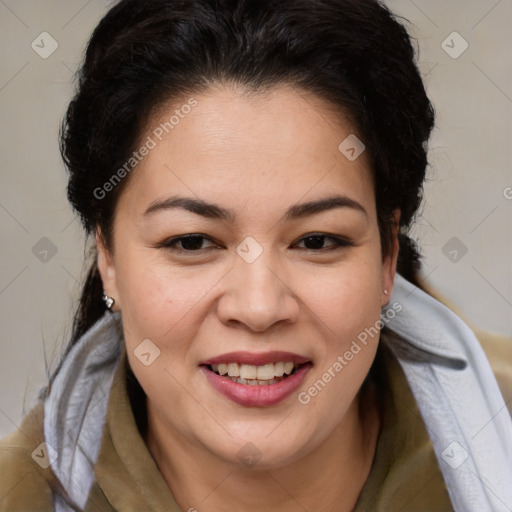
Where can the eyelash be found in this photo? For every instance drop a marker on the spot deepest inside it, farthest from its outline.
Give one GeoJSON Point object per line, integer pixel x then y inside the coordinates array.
{"type": "Point", "coordinates": [339, 243]}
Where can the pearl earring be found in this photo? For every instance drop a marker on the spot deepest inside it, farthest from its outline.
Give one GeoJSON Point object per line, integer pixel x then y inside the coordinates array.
{"type": "Point", "coordinates": [109, 301]}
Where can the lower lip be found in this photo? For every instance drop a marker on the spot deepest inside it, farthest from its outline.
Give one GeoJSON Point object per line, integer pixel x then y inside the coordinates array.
{"type": "Point", "coordinates": [256, 395]}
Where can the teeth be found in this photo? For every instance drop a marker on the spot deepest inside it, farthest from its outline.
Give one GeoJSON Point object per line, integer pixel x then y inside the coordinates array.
{"type": "Point", "coordinates": [233, 370]}
{"type": "Point", "coordinates": [288, 368]}
{"type": "Point", "coordinates": [266, 372]}
{"type": "Point", "coordinates": [255, 375]}
{"type": "Point", "coordinates": [255, 382]}
{"type": "Point", "coordinates": [279, 369]}
{"type": "Point", "coordinates": [248, 371]}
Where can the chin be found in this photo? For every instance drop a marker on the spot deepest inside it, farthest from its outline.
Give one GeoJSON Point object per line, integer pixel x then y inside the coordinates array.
{"type": "Point", "coordinates": [264, 448]}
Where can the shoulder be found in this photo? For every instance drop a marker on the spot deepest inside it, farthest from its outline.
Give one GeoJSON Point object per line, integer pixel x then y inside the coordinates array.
{"type": "Point", "coordinates": [24, 484]}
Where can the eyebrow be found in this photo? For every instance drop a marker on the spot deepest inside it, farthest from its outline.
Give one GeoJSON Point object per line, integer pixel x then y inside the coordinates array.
{"type": "Point", "coordinates": [213, 211]}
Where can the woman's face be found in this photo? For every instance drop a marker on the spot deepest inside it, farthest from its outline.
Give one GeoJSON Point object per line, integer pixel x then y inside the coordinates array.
{"type": "Point", "coordinates": [269, 278]}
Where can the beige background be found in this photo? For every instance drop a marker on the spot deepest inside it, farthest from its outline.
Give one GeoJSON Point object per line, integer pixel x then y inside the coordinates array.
{"type": "Point", "coordinates": [468, 195]}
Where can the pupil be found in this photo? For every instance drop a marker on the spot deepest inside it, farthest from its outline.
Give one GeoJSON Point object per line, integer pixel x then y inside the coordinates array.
{"type": "Point", "coordinates": [192, 242]}
{"type": "Point", "coordinates": [319, 239]}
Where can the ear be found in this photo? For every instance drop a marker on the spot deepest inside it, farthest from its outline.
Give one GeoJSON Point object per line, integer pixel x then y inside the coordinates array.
{"type": "Point", "coordinates": [107, 269]}
{"type": "Point", "coordinates": [390, 261]}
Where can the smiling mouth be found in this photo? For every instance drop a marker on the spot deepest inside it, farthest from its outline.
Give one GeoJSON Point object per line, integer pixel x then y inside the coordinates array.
{"type": "Point", "coordinates": [252, 375]}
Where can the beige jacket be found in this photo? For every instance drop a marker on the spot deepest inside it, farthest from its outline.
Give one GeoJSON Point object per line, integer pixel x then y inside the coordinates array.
{"type": "Point", "coordinates": [405, 474]}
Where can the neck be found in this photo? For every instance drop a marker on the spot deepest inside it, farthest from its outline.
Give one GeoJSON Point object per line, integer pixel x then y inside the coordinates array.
{"type": "Point", "coordinates": [330, 477]}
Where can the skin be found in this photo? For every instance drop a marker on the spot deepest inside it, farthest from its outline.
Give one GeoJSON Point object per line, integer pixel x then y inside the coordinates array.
{"type": "Point", "coordinates": [257, 155]}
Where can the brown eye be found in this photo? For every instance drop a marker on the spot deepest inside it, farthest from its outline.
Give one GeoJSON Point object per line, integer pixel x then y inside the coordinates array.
{"type": "Point", "coordinates": [315, 242]}
{"type": "Point", "coordinates": [189, 243]}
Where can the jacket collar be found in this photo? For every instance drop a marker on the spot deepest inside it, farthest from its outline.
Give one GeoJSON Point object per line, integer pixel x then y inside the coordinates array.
{"type": "Point", "coordinates": [433, 333]}
{"type": "Point", "coordinates": [458, 397]}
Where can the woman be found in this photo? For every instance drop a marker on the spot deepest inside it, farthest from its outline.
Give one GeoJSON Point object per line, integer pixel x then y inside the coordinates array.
{"type": "Point", "coordinates": [248, 172]}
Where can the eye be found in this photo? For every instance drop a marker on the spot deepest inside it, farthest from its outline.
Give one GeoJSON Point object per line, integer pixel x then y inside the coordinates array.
{"type": "Point", "coordinates": [189, 243]}
{"type": "Point", "coordinates": [315, 241]}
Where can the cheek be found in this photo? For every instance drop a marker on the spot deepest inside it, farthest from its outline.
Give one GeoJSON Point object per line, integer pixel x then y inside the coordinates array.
{"type": "Point", "coordinates": [350, 309]}
{"type": "Point", "coordinates": [155, 298]}
{"type": "Point", "coordinates": [158, 305]}
{"type": "Point", "coordinates": [348, 303]}
{"type": "Point", "coordinates": [347, 300]}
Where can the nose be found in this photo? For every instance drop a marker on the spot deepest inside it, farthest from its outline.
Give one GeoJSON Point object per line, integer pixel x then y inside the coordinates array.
{"type": "Point", "coordinates": [257, 295]}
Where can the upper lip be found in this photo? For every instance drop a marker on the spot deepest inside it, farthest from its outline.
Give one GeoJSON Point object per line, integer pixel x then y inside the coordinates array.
{"type": "Point", "coordinates": [257, 359]}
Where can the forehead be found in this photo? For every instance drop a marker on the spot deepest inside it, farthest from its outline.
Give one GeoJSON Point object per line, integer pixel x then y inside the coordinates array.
{"type": "Point", "coordinates": [248, 150]}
